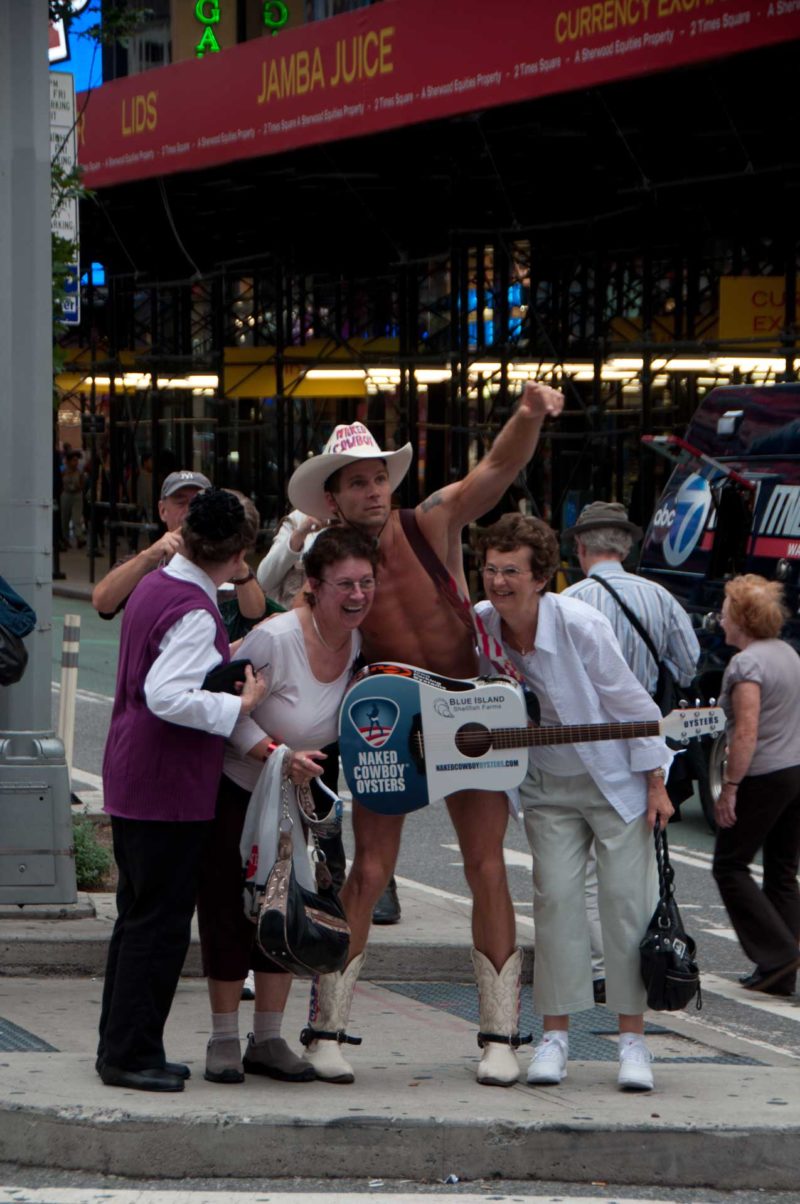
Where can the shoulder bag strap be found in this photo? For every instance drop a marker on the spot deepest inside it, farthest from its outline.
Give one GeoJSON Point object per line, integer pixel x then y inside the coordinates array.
{"type": "Point", "coordinates": [449, 588]}
{"type": "Point", "coordinates": [631, 617]}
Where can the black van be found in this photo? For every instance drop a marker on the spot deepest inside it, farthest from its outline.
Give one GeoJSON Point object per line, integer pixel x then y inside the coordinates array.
{"type": "Point", "coordinates": [731, 505]}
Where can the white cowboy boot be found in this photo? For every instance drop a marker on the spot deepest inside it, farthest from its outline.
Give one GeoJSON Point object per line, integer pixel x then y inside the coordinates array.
{"type": "Point", "coordinates": [498, 995]}
{"type": "Point", "coordinates": [328, 1013]}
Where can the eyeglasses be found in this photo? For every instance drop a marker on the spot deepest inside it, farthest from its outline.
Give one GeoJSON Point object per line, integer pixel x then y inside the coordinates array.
{"type": "Point", "coordinates": [346, 586]}
{"type": "Point", "coordinates": [510, 574]}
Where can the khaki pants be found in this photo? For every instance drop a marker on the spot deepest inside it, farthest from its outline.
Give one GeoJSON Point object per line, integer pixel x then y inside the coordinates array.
{"type": "Point", "coordinates": [562, 817]}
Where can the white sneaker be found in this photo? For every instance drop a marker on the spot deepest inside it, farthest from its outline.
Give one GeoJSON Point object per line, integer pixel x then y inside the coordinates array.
{"type": "Point", "coordinates": [249, 986]}
{"type": "Point", "coordinates": [635, 1073]}
{"type": "Point", "coordinates": [549, 1061]}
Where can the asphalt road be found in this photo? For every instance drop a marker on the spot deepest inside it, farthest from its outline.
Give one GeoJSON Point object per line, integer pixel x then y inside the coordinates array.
{"type": "Point", "coordinates": [430, 856]}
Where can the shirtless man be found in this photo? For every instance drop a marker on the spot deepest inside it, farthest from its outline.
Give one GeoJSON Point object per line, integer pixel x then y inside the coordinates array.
{"type": "Point", "coordinates": [411, 622]}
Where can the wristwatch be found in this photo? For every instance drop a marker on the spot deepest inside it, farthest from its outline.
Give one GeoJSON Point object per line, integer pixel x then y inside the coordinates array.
{"type": "Point", "coordinates": [243, 580]}
{"type": "Point", "coordinates": [660, 772]}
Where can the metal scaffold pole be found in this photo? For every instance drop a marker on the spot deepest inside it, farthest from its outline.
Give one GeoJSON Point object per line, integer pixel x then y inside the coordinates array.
{"type": "Point", "coordinates": [36, 861]}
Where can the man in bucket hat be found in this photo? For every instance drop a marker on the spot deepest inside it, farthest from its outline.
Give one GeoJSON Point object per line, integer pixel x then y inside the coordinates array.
{"type": "Point", "coordinates": [604, 536]}
{"type": "Point", "coordinates": [412, 622]}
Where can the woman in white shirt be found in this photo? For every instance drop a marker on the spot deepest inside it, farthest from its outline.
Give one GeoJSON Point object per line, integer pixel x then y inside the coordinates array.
{"type": "Point", "coordinates": [610, 791]}
{"type": "Point", "coordinates": [310, 653]}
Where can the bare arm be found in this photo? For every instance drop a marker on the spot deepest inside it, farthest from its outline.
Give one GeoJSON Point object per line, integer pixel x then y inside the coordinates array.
{"type": "Point", "coordinates": [110, 593]}
{"type": "Point", "coordinates": [250, 599]}
{"type": "Point", "coordinates": [746, 700]}
{"type": "Point", "coordinates": [448, 510]}
{"type": "Point", "coordinates": [659, 806]}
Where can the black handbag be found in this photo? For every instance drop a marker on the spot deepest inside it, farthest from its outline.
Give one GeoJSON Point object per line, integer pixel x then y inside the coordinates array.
{"type": "Point", "coordinates": [303, 931]}
{"type": "Point", "coordinates": [13, 657]}
{"type": "Point", "coordinates": [667, 952]}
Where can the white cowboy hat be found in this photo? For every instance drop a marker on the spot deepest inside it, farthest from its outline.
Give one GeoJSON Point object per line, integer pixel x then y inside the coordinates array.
{"type": "Point", "coordinates": [347, 444]}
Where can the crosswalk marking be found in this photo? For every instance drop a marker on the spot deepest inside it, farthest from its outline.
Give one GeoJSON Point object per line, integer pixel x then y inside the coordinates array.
{"type": "Point", "coordinates": [85, 695]}
{"type": "Point", "coordinates": [524, 920]}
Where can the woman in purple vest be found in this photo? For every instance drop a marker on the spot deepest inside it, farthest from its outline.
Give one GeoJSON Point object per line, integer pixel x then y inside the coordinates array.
{"type": "Point", "coordinates": [161, 770]}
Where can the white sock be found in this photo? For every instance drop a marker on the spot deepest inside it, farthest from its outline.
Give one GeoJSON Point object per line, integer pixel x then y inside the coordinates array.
{"type": "Point", "coordinates": [557, 1034]}
{"type": "Point", "coordinates": [266, 1025]}
{"type": "Point", "coordinates": [630, 1039]}
{"type": "Point", "coordinates": [224, 1025]}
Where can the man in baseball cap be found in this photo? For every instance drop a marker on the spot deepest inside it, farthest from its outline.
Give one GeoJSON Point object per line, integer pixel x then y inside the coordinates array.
{"type": "Point", "coordinates": [184, 479]}
{"type": "Point", "coordinates": [416, 623]}
{"type": "Point", "coordinates": [111, 594]}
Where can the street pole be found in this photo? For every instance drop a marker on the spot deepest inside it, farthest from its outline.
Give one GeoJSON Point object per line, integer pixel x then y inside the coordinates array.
{"type": "Point", "coordinates": [36, 861]}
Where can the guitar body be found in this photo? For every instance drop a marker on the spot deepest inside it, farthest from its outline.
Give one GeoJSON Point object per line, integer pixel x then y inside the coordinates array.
{"type": "Point", "coordinates": [381, 721]}
{"type": "Point", "coordinates": [408, 737]}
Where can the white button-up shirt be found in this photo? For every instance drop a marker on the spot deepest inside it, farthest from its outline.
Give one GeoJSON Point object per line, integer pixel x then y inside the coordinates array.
{"type": "Point", "coordinates": [173, 685]}
{"type": "Point", "coordinates": [577, 665]}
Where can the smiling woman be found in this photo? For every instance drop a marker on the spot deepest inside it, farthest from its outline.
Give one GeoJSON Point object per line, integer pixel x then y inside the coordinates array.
{"type": "Point", "coordinates": [311, 652]}
{"type": "Point", "coordinates": [573, 794]}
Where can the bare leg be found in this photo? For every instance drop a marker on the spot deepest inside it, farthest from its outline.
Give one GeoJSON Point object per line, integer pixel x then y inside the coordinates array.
{"type": "Point", "coordinates": [224, 996]}
{"type": "Point", "coordinates": [480, 819]}
{"type": "Point", "coordinates": [377, 840]}
{"type": "Point", "coordinates": [272, 991]}
{"type": "Point", "coordinates": [631, 1024]}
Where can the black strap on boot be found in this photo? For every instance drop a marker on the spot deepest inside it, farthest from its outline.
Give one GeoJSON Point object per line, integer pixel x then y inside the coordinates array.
{"type": "Point", "coordinates": [310, 1034]}
{"type": "Point", "coordinates": [515, 1040]}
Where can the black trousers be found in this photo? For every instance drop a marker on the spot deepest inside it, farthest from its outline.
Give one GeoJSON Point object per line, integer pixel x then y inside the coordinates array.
{"type": "Point", "coordinates": [158, 871]}
{"type": "Point", "coordinates": [767, 918]}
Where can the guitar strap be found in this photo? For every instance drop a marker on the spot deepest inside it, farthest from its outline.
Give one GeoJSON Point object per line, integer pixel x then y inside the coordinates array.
{"type": "Point", "coordinates": [452, 592]}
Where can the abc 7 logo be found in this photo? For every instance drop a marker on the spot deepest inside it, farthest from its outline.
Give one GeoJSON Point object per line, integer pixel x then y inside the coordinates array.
{"type": "Point", "coordinates": [688, 520]}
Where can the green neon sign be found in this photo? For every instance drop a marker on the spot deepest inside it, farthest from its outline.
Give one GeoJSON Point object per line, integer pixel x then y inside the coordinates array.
{"type": "Point", "coordinates": [207, 13]}
{"type": "Point", "coordinates": [274, 17]}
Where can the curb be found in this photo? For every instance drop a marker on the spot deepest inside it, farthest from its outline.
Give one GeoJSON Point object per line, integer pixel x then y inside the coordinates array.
{"type": "Point", "coordinates": [72, 955]}
{"type": "Point", "coordinates": [418, 1149]}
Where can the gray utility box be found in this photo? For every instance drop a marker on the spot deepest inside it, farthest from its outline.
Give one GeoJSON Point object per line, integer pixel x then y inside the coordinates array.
{"type": "Point", "coordinates": [37, 858]}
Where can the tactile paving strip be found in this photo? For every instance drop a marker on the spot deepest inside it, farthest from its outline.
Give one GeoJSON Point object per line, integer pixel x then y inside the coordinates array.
{"type": "Point", "coordinates": [592, 1035]}
{"type": "Point", "coordinates": [14, 1039]}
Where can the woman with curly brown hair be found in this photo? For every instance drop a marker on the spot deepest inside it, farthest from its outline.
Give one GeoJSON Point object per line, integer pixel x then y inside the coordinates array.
{"type": "Point", "coordinates": [611, 793]}
{"type": "Point", "coordinates": [759, 806]}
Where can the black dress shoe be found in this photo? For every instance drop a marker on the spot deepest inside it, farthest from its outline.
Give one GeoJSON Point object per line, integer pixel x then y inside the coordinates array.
{"type": "Point", "coordinates": [599, 989]}
{"type": "Point", "coordinates": [769, 981]}
{"type": "Point", "coordinates": [179, 1069]}
{"type": "Point", "coordinates": [140, 1080]}
{"type": "Point", "coordinates": [387, 909]}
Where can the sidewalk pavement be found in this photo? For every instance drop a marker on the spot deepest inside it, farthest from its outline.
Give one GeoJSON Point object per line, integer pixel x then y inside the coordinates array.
{"type": "Point", "coordinates": [725, 1112]}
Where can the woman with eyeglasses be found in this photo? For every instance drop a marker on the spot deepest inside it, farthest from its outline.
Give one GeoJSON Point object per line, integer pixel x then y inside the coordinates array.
{"type": "Point", "coordinates": [759, 805]}
{"type": "Point", "coordinates": [309, 654]}
{"type": "Point", "coordinates": [609, 792]}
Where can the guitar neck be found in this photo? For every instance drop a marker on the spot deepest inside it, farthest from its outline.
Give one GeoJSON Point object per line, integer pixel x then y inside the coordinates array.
{"type": "Point", "coordinates": [527, 737]}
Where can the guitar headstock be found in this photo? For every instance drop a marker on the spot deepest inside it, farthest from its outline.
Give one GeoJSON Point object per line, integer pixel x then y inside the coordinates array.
{"type": "Point", "coordinates": [687, 723]}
